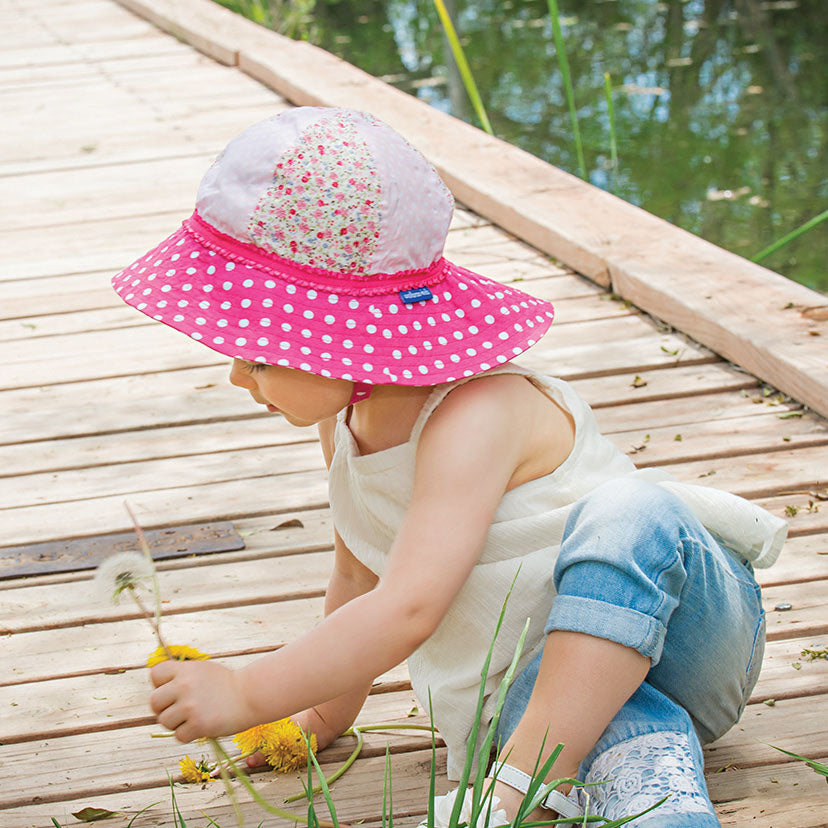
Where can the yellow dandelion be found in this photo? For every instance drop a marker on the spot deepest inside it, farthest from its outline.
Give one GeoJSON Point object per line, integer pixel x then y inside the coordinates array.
{"type": "Point", "coordinates": [195, 772]}
{"type": "Point", "coordinates": [285, 748]}
{"type": "Point", "coordinates": [180, 652]}
{"type": "Point", "coordinates": [255, 738]}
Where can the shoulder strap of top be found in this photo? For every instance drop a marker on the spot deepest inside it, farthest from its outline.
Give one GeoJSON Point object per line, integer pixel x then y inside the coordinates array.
{"type": "Point", "coordinates": [440, 392]}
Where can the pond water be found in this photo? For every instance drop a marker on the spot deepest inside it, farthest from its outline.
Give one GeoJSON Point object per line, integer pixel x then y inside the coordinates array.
{"type": "Point", "coordinates": [721, 106]}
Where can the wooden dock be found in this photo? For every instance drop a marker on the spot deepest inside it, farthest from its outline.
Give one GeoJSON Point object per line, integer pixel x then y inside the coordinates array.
{"type": "Point", "coordinates": [109, 124]}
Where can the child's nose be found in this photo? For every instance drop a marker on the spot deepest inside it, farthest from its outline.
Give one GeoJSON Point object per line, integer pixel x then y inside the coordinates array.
{"type": "Point", "coordinates": [240, 377]}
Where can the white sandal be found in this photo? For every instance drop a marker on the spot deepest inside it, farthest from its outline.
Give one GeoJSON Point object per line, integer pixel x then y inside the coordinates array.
{"type": "Point", "coordinates": [517, 779]}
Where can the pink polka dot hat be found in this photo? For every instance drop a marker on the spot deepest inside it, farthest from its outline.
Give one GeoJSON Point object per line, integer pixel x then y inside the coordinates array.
{"type": "Point", "coordinates": [316, 243]}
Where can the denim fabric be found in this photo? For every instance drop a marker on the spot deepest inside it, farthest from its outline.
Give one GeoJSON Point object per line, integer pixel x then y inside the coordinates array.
{"type": "Point", "coordinates": [636, 567]}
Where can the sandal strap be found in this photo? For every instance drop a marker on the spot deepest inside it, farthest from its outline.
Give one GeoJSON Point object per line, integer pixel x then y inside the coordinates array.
{"type": "Point", "coordinates": [520, 781]}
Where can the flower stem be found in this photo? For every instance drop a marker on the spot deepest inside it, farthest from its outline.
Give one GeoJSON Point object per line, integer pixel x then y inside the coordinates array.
{"type": "Point", "coordinates": [142, 541]}
{"type": "Point", "coordinates": [153, 622]}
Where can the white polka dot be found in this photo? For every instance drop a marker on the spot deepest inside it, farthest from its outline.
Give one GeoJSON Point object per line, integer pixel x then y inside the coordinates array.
{"type": "Point", "coordinates": [326, 356]}
{"type": "Point", "coordinates": [396, 354]}
{"type": "Point", "coordinates": [459, 313]}
{"type": "Point", "coordinates": [287, 308]}
{"type": "Point", "coordinates": [503, 335]}
{"type": "Point", "coordinates": [468, 373]}
{"type": "Point", "coordinates": [393, 308]}
{"type": "Point", "coordinates": [166, 288]}
{"type": "Point", "coordinates": [330, 319]}
{"type": "Point", "coordinates": [262, 340]}
{"type": "Point", "coordinates": [422, 369]}
{"type": "Point", "coordinates": [431, 321]}
{"type": "Point", "coordinates": [264, 322]}
{"type": "Point", "coordinates": [347, 343]}
{"type": "Point", "coordinates": [475, 303]}
{"type": "Point", "coordinates": [227, 285]}
{"type": "Point", "coordinates": [454, 358]}
{"type": "Point", "coordinates": [305, 350]}
{"type": "Point", "coordinates": [412, 349]}
{"type": "Point", "coordinates": [417, 326]}
{"type": "Point", "coordinates": [175, 257]}
{"type": "Point", "coordinates": [306, 333]}
{"type": "Point", "coordinates": [308, 314]}
{"type": "Point", "coordinates": [347, 376]}
{"type": "Point", "coordinates": [387, 333]}
{"type": "Point", "coordinates": [402, 329]}
{"type": "Point", "coordinates": [369, 349]}
{"type": "Point", "coordinates": [194, 254]}
{"type": "Point", "coordinates": [325, 372]}
{"type": "Point", "coordinates": [284, 362]}
{"type": "Point", "coordinates": [484, 366]}
{"type": "Point", "coordinates": [291, 289]}
{"type": "Point", "coordinates": [366, 366]}
{"type": "Point", "coordinates": [427, 345]}
{"type": "Point", "coordinates": [353, 304]}
{"type": "Point", "coordinates": [471, 352]}
{"type": "Point", "coordinates": [447, 296]}
{"type": "Point", "coordinates": [286, 326]}
{"type": "Point", "coordinates": [218, 340]}
{"type": "Point", "coordinates": [516, 351]}
{"type": "Point", "coordinates": [284, 346]}
{"type": "Point", "coordinates": [445, 317]}
{"type": "Point", "coordinates": [305, 367]}
{"type": "Point", "coordinates": [245, 303]}
{"type": "Point", "coordinates": [200, 320]}
{"type": "Point", "coordinates": [270, 284]}
{"type": "Point", "coordinates": [226, 305]}
{"type": "Point", "coordinates": [267, 303]}
{"type": "Point", "coordinates": [204, 304]}
{"type": "Point", "coordinates": [333, 298]}
{"type": "Point", "coordinates": [195, 335]}
{"type": "Point", "coordinates": [347, 361]}
{"type": "Point", "coordinates": [458, 334]}
{"type": "Point", "coordinates": [462, 286]}
{"type": "Point", "coordinates": [222, 323]}
{"type": "Point", "coordinates": [211, 270]}
{"type": "Point", "coordinates": [327, 339]}
{"type": "Point", "coordinates": [230, 266]}
{"type": "Point", "coordinates": [241, 341]}
{"type": "Point", "coordinates": [487, 344]}
{"type": "Point", "coordinates": [243, 323]}
{"type": "Point", "coordinates": [350, 323]}
{"type": "Point", "coordinates": [247, 283]}
{"type": "Point", "coordinates": [311, 294]}
{"type": "Point", "coordinates": [161, 304]}
{"type": "Point", "coordinates": [407, 374]}
{"type": "Point", "coordinates": [207, 288]}
{"type": "Point", "coordinates": [438, 363]}
{"type": "Point", "coordinates": [442, 340]}
{"type": "Point", "coordinates": [488, 318]}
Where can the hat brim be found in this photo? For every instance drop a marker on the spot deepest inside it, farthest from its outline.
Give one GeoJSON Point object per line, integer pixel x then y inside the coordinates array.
{"type": "Point", "coordinates": [242, 310]}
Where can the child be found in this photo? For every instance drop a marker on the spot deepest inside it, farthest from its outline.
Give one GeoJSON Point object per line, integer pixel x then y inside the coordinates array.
{"type": "Point", "coordinates": [314, 260]}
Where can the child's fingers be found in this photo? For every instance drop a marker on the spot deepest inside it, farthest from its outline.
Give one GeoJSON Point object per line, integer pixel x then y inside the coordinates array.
{"type": "Point", "coordinates": [163, 672]}
{"type": "Point", "coordinates": [162, 698]}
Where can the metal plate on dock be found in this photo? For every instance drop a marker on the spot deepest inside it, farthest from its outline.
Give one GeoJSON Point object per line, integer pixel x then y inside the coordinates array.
{"type": "Point", "coordinates": [87, 553]}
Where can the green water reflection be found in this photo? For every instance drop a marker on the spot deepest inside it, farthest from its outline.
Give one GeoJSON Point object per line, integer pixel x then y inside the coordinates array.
{"type": "Point", "coordinates": [721, 106]}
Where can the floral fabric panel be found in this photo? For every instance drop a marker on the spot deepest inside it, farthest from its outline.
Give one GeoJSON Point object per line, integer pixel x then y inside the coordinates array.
{"type": "Point", "coordinates": [322, 206]}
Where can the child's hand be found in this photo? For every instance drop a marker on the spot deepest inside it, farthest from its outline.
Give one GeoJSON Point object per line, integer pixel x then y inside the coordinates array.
{"type": "Point", "coordinates": [198, 698]}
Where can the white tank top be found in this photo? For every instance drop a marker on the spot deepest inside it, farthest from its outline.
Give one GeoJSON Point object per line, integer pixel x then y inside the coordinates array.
{"type": "Point", "coordinates": [369, 495]}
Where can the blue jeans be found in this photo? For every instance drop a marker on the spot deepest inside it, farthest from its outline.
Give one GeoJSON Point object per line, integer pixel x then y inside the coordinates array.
{"type": "Point", "coordinates": [636, 567]}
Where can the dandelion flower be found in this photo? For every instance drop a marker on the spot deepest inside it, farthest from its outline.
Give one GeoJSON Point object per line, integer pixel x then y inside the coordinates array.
{"type": "Point", "coordinates": [179, 652]}
{"type": "Point", "coordinates": [285, 748]}
{"type": "Point", "coordinates": [282, 743]}
{"type": "Point", "coordinates": [122, 571]}
{"type": "Point", "coordinates": [193, 771]}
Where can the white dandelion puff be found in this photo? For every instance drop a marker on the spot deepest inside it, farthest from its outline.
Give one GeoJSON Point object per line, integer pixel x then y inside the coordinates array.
{"type": "Point", "coordinates": [122, 571]}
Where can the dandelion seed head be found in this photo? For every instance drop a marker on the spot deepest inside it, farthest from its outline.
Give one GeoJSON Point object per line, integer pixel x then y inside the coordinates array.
{"type": "Point", "coordinates": [124, 570]}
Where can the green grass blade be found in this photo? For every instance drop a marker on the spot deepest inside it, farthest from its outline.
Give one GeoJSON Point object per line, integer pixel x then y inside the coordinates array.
{"type": "Point", "coordinates": [354, 731]}
{"type": "Point", "coordinates": [816, 767]}
{"type": "Point", "coordinates": [463, 66]}
{"type": "Point", "coordinates": [129, 824]}
{"type": "Point", "coordinates": [794, 234]}
{"type": "Point", "coordinates": [471, 745]}
{"type": "Point", "coordinates": [55, 823]}
{"type": "Point", "coordinates": [176, 810]}
{"type": "Point", "coordinates": [322, 782]}
{"type": "Point", "coordinates": [563, 63]}
{"type": "Point", "coordinates": [432, 773]}
{"type": "Point", "coordinates": [611, 114]}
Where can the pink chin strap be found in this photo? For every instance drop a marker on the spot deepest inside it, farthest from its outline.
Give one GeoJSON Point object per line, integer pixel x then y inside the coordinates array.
{"type": "Point", "coordinates": [362, 390]}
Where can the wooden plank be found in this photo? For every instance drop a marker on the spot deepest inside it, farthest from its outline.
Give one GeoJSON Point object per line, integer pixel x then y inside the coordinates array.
{"type": "Point", "coordinates": [791, 721]}
{"type": "Point", "coordinates": [184, 396]}
{"type": "Point", "coordinates": [810, 603]}
{"type": "Point", "coordinates": [776, 796]}
{"type": "Point", "coordinates": [804, 558]}
{"type": "Point", "coordinates": [235, 583]}
{"type": "Point", "coordinates": [779, 679]}
{"type": "Point", "coordinates": [358, 797]}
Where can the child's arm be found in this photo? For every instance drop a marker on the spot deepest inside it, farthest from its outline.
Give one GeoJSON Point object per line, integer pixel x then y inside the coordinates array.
{"type": "Point", "coordinates": [468, 453]}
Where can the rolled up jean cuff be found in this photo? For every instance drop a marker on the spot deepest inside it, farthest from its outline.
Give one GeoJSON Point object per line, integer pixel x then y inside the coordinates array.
{"type": "Point", "coordinates": [604, 620]}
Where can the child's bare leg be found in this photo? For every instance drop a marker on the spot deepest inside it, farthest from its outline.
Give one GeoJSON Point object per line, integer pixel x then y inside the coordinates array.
{"type": "Point", "coordinates": [583, 681]}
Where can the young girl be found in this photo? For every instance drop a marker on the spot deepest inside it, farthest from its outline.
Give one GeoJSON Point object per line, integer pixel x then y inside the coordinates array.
{"type": "Point", "coordinates": [314, 260]}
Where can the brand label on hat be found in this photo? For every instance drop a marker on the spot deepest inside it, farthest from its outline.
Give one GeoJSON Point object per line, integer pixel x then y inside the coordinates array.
{"type": "Point", "coordinates": [412, 295]}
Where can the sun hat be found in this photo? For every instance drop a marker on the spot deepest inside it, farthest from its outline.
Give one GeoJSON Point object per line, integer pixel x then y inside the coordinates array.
{"type": "Point", "coordinates": [316, 243]}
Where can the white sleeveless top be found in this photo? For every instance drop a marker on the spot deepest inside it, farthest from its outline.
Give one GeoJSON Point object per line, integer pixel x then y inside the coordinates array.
{"type": "Point", "coordinates": [369, 496]}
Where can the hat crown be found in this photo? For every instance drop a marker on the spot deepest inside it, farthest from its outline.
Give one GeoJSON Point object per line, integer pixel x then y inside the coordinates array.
{"type": "Point", "coordinates": [333, 189]}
